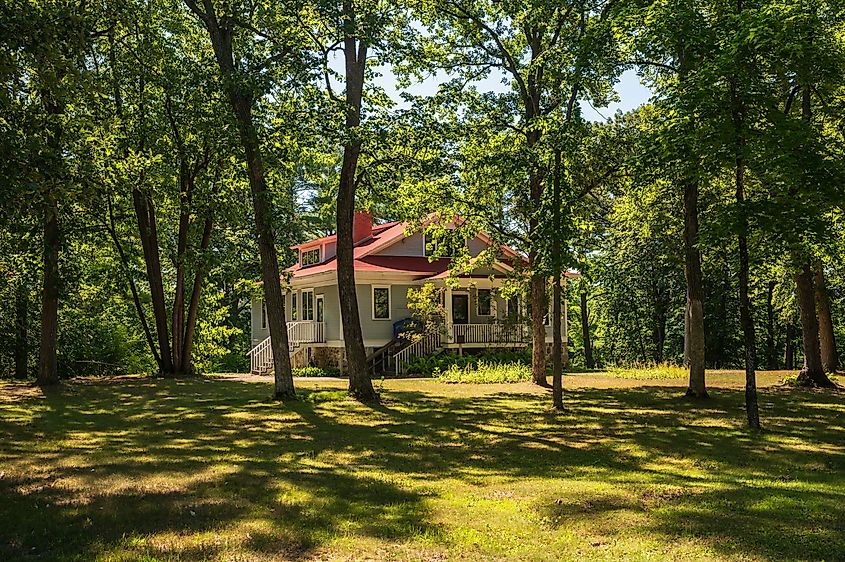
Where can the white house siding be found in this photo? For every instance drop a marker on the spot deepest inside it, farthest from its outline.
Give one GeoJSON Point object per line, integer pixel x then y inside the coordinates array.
{"type": "Point", "coordinates": [378, 332]}
{"type": "Point", "coordinates": [259, 334]}
{"type": "Point", "coordinates": [410, 246]}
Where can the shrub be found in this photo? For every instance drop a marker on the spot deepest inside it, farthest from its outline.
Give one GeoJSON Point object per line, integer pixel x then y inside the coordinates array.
{"type": "Point", "coordinates": [485, 372]}
{"type": "Point", "coordinates": [649, 371]}
{"type": "Point", "coordinates": [431, 364]}
{"type": "Point", "coordinates": [316, 372]}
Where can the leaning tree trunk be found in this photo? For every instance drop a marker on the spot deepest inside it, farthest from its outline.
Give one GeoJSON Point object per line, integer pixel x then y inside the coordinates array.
{"type": "Point", "coordinates": [812, 373]}
{"type": "Point", "coordinates": [585, 331]}
{"type": "Point", "coordinates": [695, 301]}
{"type": "Point", "coordinates": [355, 55]}
{"type": "Point", "coordinates": [146, 218]}
{"type": "Point", "coordinates": [47, 362]}
{"type": "Point", "coordinates": [21, 323]}
{"type": "Point", "coordinates": [827, 340]}
{"type": "Point", "coordinates": [221, 33]}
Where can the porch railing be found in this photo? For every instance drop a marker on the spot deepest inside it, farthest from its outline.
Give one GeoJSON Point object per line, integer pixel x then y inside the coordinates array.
{"type": "Point", "coordinates": [490, 333]}
{"type": "Point", "coordinates": [306, 331]}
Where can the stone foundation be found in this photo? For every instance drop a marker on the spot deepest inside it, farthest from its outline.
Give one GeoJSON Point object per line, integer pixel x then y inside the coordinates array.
{"type": "Point", "coordinates": [326, 357]}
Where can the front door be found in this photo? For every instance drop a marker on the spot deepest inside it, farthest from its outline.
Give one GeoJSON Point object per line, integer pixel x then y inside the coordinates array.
{"type": "Point", "coordinates": [460, 309]}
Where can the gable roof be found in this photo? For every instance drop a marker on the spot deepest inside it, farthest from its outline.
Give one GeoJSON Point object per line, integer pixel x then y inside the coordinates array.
{"type": "Point", "coordinates": [365, 256]}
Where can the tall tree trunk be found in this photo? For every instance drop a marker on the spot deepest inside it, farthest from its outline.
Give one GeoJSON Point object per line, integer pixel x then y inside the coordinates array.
{"type": "Point", "coordinates": [178, 313]}
{"type": "Point", "coordinates": [193, 306]}
{"type": "Point", "coordinates": [789, 348]}
{"type": "Point", "coordinates": [771, 353]}
{"type": "Point", "coordinates": [686, 332]}
{"type": "Point", "coordinates": [21, 324]}
{"type": "Point", "coordinates": [746, 320]}
{"type": "Point", "coordinates": [557, 316]}
{"type": "Point", "coordinates": [585, 331]}
{"type": "Point", "coordinates": [241, 102]}
{"type": "Point", "coordinates": [537, 282]}
{"type": "Point", "coordinates": [355, 55]}
{"type": "Point", "coordinates": [695, 300]}
{"type": "Point", "coordinates": [812, 373]}
{"type": "Point", "coordinates": [827, 340]}
{"type": "Point", "coordinates": [145, 215]}
{"type": "Point", "coordinates": [47, 362]}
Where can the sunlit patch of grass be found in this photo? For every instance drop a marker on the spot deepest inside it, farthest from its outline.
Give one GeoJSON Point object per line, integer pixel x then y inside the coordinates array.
{"type": "Point", "coordinates": [658, 371]}
{"type": "Point", "coordinates": [138, 469]}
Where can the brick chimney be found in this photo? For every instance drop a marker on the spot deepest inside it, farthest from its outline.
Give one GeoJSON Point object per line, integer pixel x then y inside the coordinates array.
{"type": "Point", "coordinates": [362, 226]}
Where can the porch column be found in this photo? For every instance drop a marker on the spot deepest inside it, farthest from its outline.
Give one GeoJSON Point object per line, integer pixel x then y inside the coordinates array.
{"type": "Point", "coordinates": [448, 298]}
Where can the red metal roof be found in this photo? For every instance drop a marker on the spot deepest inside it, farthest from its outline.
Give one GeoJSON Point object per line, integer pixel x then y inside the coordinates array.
{"type": "Point", "coordinates": [377, 229]}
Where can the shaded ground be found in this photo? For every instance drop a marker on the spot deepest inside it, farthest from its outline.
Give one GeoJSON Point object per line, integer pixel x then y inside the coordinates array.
{"type": "Point", "coordinates": [141, 469]}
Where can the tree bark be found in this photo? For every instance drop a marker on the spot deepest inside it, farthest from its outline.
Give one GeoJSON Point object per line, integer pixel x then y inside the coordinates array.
{"type": "Point", "coordinates": [47, 361]}
{"type": "Point", "coordinates": [695, 305]}
{"type": "Point", "coordinates": [145, 215]}
{"type": "Point", "coordinates": [557, 316]}
{"type": "Point", "coordinates": [812, 373]}
{"type": "Point", "coordinates": [221, 33]}
{"type": "Point", "coordinates": [827, 339]}
{"type": "Point", "coordinates": [193, 305]}
{"type": "Point", "coordinates": [789, 348]}
{"type": "Point", "coordinates": [686, 333]}
{"type": "Point", "coordinates": [771, 353]}
{"type": "Point", "coordinates": [355, 54]}
{"type": "Point", "coordinates": [585, 331]}
{"type": "Point", "coordinates": [21, 324]}
{"type": "Point", "coordinates": [746, 320]}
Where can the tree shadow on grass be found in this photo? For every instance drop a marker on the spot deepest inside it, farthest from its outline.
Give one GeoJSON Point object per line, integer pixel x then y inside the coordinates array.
{"type": "Point", "coordinates": [195, 469]}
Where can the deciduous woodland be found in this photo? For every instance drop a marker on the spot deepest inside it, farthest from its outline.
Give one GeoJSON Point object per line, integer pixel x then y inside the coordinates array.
{"type": "Point", "coordinates": [160, 159]}
{"type": "Point", "coordinates": [395, 280]}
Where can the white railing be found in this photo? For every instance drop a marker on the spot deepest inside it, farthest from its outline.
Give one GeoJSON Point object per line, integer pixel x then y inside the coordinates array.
{"type": "Point", "coordinates": [306, 331]}
{"type": "Point", "coordinates": [490, 333]}
{"type": "Point", "coordinates": [425, 346]}
{"type": "Point", "coordinates": [261, 356]}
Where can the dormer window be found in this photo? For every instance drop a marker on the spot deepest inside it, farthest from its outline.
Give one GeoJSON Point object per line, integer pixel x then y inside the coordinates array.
{"type": "Point", "coordinates": [309, 257]}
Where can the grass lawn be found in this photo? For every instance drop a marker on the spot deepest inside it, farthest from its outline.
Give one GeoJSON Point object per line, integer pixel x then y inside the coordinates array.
{"type": "Point", "coordinates": [141, 469]}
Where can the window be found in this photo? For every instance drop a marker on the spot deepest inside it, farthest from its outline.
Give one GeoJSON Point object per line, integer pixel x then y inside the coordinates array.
{"type": "Point", "coordinates": [263, 315]}
{"type": "Point", "coordinates": [381, 303]}
{"type": "Point", "coordinates": [319, 308]}
{"type": "Point", "coordinates": [310, 257]}
{"type": "Point", "coordinates": [293, 306]}
{"type": "Point", "coordinates": [308, 305]}
{"type": "Point", "coordinates": [483, 303]}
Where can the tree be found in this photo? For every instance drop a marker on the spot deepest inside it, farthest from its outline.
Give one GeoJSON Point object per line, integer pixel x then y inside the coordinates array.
{"type": "Point", "coordinates": [223, 28]}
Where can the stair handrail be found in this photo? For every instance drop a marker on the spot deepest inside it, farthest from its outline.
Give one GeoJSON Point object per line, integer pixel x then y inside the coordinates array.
{"type": "Point", "coordinates": [423, 346]}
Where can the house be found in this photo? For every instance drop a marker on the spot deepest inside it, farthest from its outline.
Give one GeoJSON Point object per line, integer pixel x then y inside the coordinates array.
{"type": "Point", "coordinates": [390, 260]}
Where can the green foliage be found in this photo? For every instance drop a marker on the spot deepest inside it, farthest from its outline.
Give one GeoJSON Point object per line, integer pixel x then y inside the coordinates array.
{"type": "Point", "coordinates": [432, 364]}
{"type": "Point", "coordinates": [483, 372]}
{"type": "Point", "coordinates": [656, 371]}
{"type": "Point", "coordinates": [311, 371]}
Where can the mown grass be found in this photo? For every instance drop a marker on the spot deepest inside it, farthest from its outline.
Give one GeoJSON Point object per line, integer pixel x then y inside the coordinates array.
{"type": "Point", "coordinates": [140, 469]}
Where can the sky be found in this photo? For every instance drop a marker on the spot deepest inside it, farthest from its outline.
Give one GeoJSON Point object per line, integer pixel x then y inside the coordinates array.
{"type": "Point", "coordinates": [632, 93]}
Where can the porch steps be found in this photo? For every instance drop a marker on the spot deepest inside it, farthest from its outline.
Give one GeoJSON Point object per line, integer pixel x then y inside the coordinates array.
{"type": "Point", "coordinates": [429, 344]}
